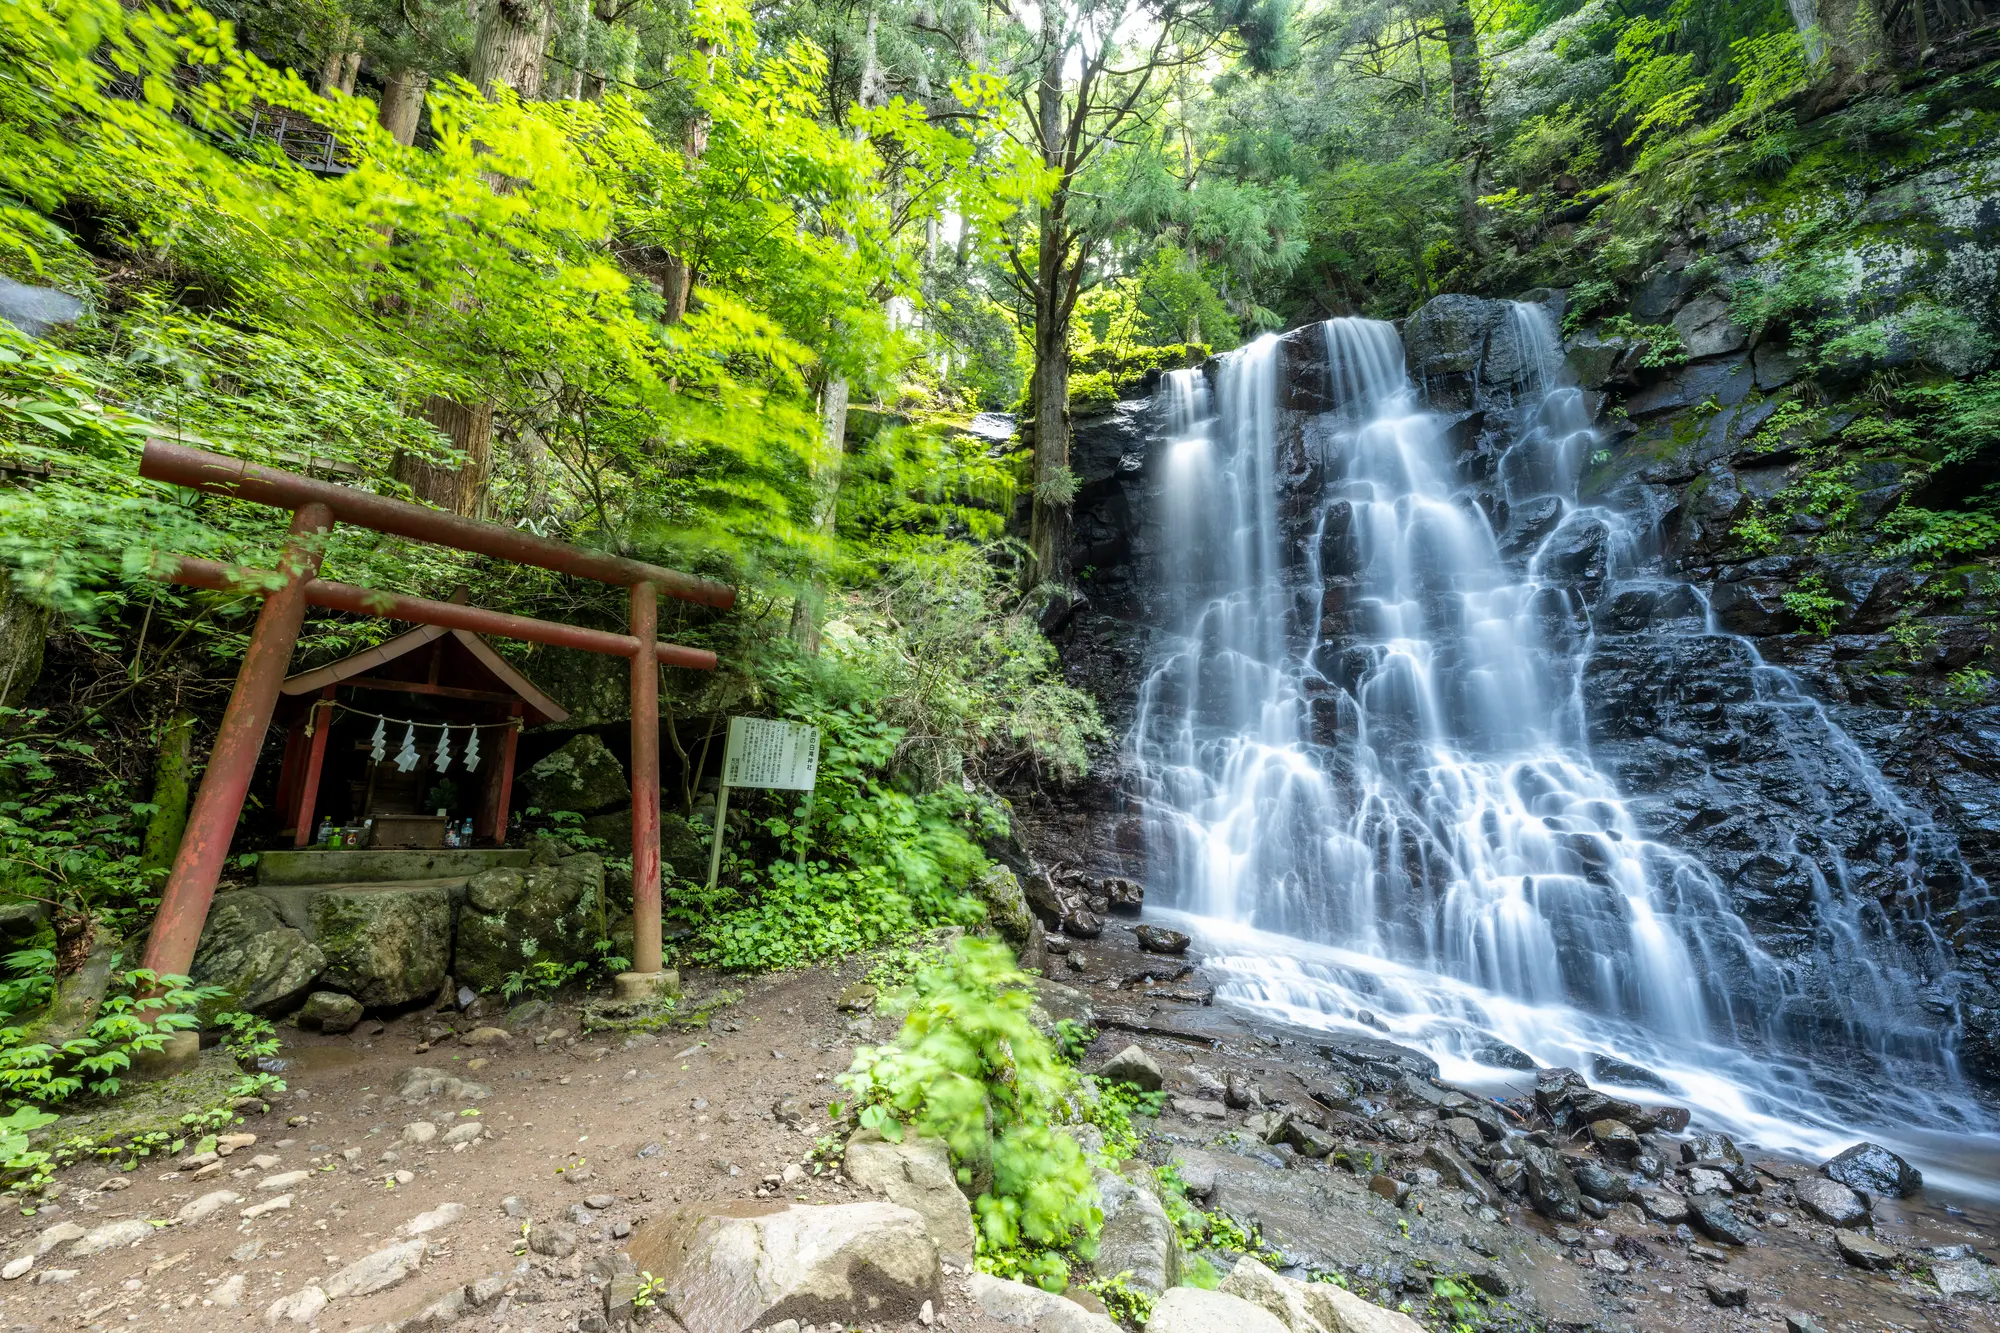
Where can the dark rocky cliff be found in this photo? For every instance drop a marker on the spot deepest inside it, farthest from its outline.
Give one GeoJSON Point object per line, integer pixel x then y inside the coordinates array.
{"type": "Point", "coordinates": [1723, 756]}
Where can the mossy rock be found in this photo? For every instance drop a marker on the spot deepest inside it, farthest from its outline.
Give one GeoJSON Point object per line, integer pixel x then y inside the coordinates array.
{"type": "Point", "coordinates": [1007, 907]}
{"type": "Point", "coordinates": [247, 949]}
{"type": "Point", "coordinates": [515, 918]}
{"type": "Point", "coordinates": [386, 947]}
{"type": "Point", "coordinates": [143, 1107]}
{"type": "Point", "coordinates": [582, 776]}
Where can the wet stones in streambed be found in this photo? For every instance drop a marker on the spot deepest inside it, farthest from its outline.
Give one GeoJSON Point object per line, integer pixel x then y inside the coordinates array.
{"type": "Point", "coordinates": [1829, 1201]}
{"type": "Point", "coordinates": [1875, 1171]}
{"type": "Point", "coordinates": [1158, 939]}
{"type": "Point", "coordinates": [1133, 1065]}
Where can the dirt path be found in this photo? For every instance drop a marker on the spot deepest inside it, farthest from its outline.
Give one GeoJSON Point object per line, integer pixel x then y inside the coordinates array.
{"type": "Point", "coordinates": [591, 1132]}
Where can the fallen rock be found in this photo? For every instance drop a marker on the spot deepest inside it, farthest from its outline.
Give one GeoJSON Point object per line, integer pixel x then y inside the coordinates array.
{"type": "Point", "coordinates": [207, 1206]}
{"type": "Point", "coordinates": [856, 998]}
{"type": "Point", "coordinates": [1864, 1251]}
{"type": "Point", "coordinates": [1024, 1306]}
{"type": "Point", "coordinates": [1876, 1171]}
{"type": "Point", "coordinates": [1615, 1139]}
{"type": "Point", "coordinates": [1007, 908]}
{"type": "Point", "coordinates": [441, 1216]}
{"type": "Point", "coordinates": [555, 1240]}
{"type": "Point", "coordinates": [301, 1307]}
{"type": "Point", "coordinates": [1137, 1239]}
{"type": "Point", "coordinates": [729, 1266]}
{"type": "Point", "coordinates": [469, 1132]}
{"type": "Point", "coordinates": [1192, 1310]}
{"type": "Point", "coordinates": [1460, 1173]}
{"type": "Point", "coordinates": [284, 1180]}
{"type": "Point", "coordinates": [1133, 1066]}
{"type": "Point", "coordinates": [421, 1083]}
{"type": "Point", "coordinates": [1157, 939]}
{"type": "Point", "coordinates": [111, 1236]}
{"type": "Point", "coordinates": [1551, 1188]}
{"type": "Point", "coordinates": [485, 1037]}
{"type": "Point", "coordinates": [17, 1268]}
{"type": "Point", "coordinates": [1726, 1291]}
{"type": "Point", "coordinates": [60, 1234]}
{"type": "Point", "coordinates": [1829, 1201]}
{"type": "Point", "coordinates": [917, 1175]}
{"type": "Point", "coordinates": [229, 1292]}
{"type": "Point", "coordinates": [376, 1272]}
{"type": "Point", "coordinates": [257, 1210]}
{"type": "Point", "coordinates": [1718, 1221]}
{"type": "Point", "coordinates": [330, 1012]}
{"type": "Point", "coordinates": [1968, 1276]}
{"type": "Point", "coordinates": [419, 1132]}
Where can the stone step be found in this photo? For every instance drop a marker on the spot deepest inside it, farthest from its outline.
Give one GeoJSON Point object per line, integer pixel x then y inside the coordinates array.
{"type": "Point", "coordinates": [382, 866]}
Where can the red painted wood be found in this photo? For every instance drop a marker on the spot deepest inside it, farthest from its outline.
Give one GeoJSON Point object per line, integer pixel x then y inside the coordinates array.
{"type": "Point", "coordinates": [644, 624]}
{"type": "Point", "coordinates": [321, 720]}
{"type": "Point", "coordinates": [219, 801]}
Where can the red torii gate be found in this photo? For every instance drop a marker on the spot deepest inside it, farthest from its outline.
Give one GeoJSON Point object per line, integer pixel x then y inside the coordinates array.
{"type": "Point", "coordinates": [316, 506]}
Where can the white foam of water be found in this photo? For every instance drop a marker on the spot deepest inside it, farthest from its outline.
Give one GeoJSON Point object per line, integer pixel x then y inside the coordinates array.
{"type": "Point", "coordinates": [1376, 745]}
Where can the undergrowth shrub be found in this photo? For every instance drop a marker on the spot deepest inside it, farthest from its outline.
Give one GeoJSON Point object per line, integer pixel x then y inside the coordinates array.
{"type": "Point", "coordinates": [969, 1067]}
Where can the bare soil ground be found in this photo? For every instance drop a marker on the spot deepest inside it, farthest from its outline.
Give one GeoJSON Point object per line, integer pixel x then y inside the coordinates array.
{"type": "Point", "coordinates": [599, 1131]}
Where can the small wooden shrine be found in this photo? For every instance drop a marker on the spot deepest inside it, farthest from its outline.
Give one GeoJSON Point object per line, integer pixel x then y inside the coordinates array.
{"type": "Point", "coordinates": [417, 735]}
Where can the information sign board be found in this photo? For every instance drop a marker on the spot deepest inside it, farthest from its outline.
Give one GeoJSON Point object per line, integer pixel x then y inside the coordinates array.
{"type": "Point", "coordinates": [765, 753]}
{"type": "Point", "coordinates": [762, 752]}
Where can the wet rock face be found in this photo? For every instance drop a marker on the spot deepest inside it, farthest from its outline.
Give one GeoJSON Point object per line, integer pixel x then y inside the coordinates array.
{"type": "Point", "coordinates": [1721, 759]}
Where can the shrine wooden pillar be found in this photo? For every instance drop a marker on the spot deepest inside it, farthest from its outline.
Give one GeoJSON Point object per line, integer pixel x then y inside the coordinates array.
{"type": "Point", "coordinates": [319, 721]}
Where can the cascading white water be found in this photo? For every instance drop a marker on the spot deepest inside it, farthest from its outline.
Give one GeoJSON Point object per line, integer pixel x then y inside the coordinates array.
{"type": "Point", "coordinates": [1368, 780]}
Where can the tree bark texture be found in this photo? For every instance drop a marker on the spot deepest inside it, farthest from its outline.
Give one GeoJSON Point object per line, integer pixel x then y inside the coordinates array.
{"type": "Point", "coordinates": [402, 109]}
{"type": "Point", "coordinates": [1468, 87]}
{"type": "Point", "coordinates": [509, 48]}
{"type": "Point", "coordinates": [458, 489]}
{"type": "Point", "coordinates": [173, 783]}
{"type": "Point", "coordinates": [1048, 538]}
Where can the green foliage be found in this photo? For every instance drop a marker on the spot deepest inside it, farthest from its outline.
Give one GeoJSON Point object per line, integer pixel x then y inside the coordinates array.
{"type": "Point", "coordinates": [969, 1067]}
{"type": "Point", "coordinates": [1112, 1109]}
{"type": "Point", "coordinates": [1814, 604]}
{"type": "Point", "coordinates": [1662, 342]}
{"type": "Point", "coordinates": [1126, 1304]}
{"type": "Point", "coordinates": [24, 1167]}
{"type": "Point", "coordinates": [47, 1074]}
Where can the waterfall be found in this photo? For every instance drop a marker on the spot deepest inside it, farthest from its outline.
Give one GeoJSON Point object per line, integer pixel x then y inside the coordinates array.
{"type": "Point", "coordinates": [1367, 776]}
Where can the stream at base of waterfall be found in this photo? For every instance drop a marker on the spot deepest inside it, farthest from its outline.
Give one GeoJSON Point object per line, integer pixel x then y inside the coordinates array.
{"type": "Point", "coordinates": [1368, 786]}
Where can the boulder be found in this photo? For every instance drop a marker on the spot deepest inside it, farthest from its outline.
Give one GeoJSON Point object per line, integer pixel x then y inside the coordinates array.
{"type": "Point", "coordinates": [916, 1174]}
{"type": "Point", "coordinates": [1875, 1171]}
{"type": "Point", "coordinates": [1551, 1188]}
{"type": "Point", "coordinates": [1864, 1251]}
{"type": "Point", "coordinates": [248, 950]}
{"type": "Point", "coordinates": [1726, 1290]}
{"type": "Point", "coordinates": [1156, 939]}
{"type": "Point", "coordinates": [1598, 1183]}
{"type": "Point", "coordinates": [1311, 1307]}
{"type": "Point", "coordinates": [386, 947]}
{"type": "Point", "coordinates": [1829, 1201]}
{"type": "Point", "coordinates": [1192, 1310]}
{"type": "Point", "coordinates": [1459, 1173]}
{"type": "Point", "coordinates": [1062, 904]}
{"type": "Point", "coordinates": [1007, 908]}
{"type": "Point", "coordinates": [330, 1012]}
{"type": "Point", "coordinates": [1138, 1239]}
{"type": "Point", "coordinates": [1126, 896]}
{"type": "Point", "coordinates": [1614, 1139]}
{"type": "Point", "coordinates": [1024, 1306]}
{"type": "Point", "coordinates": [582, 775]}
{"type": "Point", "coordinates": [111, 1236]}
{"type": "Point", "coordinates": [1133, 1066]}
{"type": "Point", "coordinates": [729, 1266]}
{"type": "Point", "coordinates": [514, 918]}
{"type": "Point", "coordinates": [1714, 1218]}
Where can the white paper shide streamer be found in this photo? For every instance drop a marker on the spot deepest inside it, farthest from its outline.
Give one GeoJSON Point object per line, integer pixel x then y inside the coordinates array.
{"type": "Point", "coordinates": [378, 744]}
{"type": "Point", "coordinates": [471, 755]}
{"type": "Point", "coordinates": [407, 758]}
{"type": "Point", "coordinates": [442, 759]}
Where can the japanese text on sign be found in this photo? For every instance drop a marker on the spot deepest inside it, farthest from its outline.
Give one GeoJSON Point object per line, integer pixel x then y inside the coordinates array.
{"type": "Point", "coordinates": [763, 753]}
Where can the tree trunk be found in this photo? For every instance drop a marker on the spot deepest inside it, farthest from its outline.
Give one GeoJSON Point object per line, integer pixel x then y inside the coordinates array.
{"type": "Point", "coordinates": [679, 281]}
{"type": "Point", "coordinates": [808, 609]}
{"type": "Point", "coordinates": [457, 489]}
{"type": "Point", "coordinates": [350, 69]}
{"type": "Point", "coordinates": [508, 49]}
{"type": "Point", "coordinates": [402, 109]}
{"type": "Point", "coordinates": [173, 772]}
{"type": "Point", "coordinates": [1048, 539]}
{"type": "Point", "coordinates": [1468, 90]}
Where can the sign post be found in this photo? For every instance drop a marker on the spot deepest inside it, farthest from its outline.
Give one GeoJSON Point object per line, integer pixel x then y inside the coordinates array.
{"type": "Point", "coordinates": [760, 752]}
